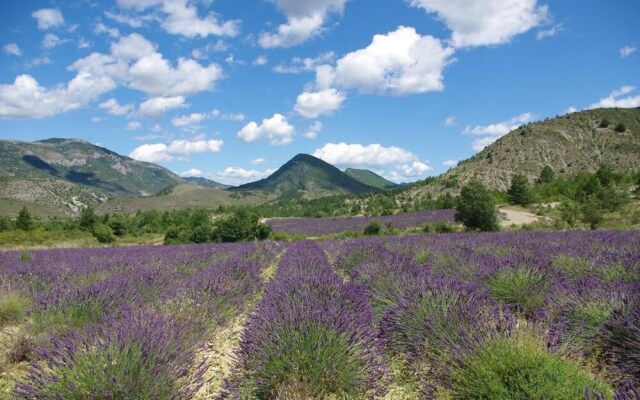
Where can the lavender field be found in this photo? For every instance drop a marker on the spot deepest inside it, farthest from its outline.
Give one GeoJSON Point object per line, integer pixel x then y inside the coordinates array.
{"type": "Point", "coordinates": [456, 316]}
{"type": "Point", "coordinates": [327, 226]}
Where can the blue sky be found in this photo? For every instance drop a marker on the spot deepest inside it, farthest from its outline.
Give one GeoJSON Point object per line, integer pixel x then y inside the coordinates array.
{"type": "Point", "coordinates": [232, 89]}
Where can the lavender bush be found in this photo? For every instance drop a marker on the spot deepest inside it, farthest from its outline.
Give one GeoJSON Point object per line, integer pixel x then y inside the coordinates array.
{"type": "Point", "coordinates": [143, 355]}
{"type": "Point", "coordinates": [312, 336]}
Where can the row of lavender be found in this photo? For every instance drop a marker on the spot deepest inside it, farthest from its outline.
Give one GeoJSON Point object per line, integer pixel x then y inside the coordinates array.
{"type": "Point", "coordinates": [327, 226]}
{"type": "Point", "coordinates": [127, 322]}
{"type": "Point", "coordinates": [311, 337]}
{"type": "Point", "coordinates": [528, 315]}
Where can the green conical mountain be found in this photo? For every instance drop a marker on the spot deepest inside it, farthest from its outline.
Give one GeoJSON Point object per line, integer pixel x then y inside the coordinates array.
{"type": "Point", "coordinates": [311, 177]}
{"type": "Point", "coordinates": [370, 178]}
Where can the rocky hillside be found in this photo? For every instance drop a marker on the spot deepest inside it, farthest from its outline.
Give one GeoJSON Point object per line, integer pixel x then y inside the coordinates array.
{"type": "Point", "coordinates": [70, 173]}
{"type": "Point", "coordinates": [580, 141]}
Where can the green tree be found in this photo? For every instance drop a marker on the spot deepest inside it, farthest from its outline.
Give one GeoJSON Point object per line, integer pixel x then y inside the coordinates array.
{"type": "Point", "coordinates": [605, 175]}
{"type": "Point", "coordinates": [604, 123]}
{"type": "Point", "coordinates": [5, 224]}
{"type": "Point", "coordinates": [103, 233]}
{"type": "Point", "coordinates": [546, 175]}
{"type": "Point", "coordinates": [241, 225]}
{"type": "Point", "coordinates": [519, 192]}
{"type": "Point", "coordinates": [592, 212]}
{"type": "Point", "coordinates": [476, 208]}
{"type": "Point", "coordinates": [88, 218]}
{"type": "Point", "coordinates": [24, 221]}
{"type": "Point", "coordinates": [621, 128]}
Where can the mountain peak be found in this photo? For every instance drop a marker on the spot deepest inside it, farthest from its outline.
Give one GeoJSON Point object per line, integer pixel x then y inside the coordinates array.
{"type": "Point", "coordinates": [311, 176]}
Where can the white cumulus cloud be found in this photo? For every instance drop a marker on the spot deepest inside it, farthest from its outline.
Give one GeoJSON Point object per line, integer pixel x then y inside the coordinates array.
{"type": "Point", "coordinates": [314, 104]}
{"type": "Point", "coordinates": [133, 126]}
{"type": "Point", "coordinates": [12, 48]}
{"type": "Point", "coordinates": [305, 19]}
{"type": "Point", "coordinates": [299, 64]}
{"type": "Point", "coordinates": [113, 107]}
{"type": "Point", "coordinates": [626, 51]}
{"type": "Point", "coordinates": [450, 163]}
{"type": "Point", "coordinates": [276, 129]}
{"type": "Point", "coordinates": [48, 18]}
{"type": "Point", "coordinates": [158, 152]}
{"type": "Point", "coordinates": [488, 134]}
{"type": "Point", "coordinates": [313, 131]}
{"type": "Point", "coordinates": [487, 22]}
{"type": "Point", "coordinates": [615, 99]}
{"type": "Point", "coordinates": [180, 17]}
{"type": "Point", "coordinates": [393, 162]}
{"type": "Point", "coordinates": [193, 172]}
{"type": "Point", "coordinates": [401, 62]}
{"type": "Point", "coordinates": [449, 121]}
{"type": "Point", "coordinates": [157, 106]}
{"type": "Point", "coordinates": [237, 176]}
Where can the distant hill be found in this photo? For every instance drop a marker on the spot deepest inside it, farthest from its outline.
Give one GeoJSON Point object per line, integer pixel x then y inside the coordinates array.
{"type": "Point", "coordinates": [569, 144]}
{"type": "Point", "coordinates": [370, 178]}
{"type": "Point", "coordinates": [67, 174]}
{"type": "Point", "coordinates": [206, 182]}
{"type": "Point", "coordinates": [310, 177]}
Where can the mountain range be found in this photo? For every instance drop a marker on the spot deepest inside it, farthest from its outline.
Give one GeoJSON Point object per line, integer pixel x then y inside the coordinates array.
{"type": "Point", "coordinates": [60, 176]}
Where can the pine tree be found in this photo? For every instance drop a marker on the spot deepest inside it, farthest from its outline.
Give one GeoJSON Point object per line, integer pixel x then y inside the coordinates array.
{"type": "Point", "coordinates": [546, 175]}
{"type": "Point", "coordinates": [24, 220]}
{"type": "Point", "coordinates": [519, 192]}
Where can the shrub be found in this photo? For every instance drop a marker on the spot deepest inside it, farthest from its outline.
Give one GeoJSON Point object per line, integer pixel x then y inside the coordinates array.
{"type": "Point", "coordinates": [103, 233]}
{"type": "Point", "coordinates": [522, 288]}
{"type": "Point", "coordinates": [372, 229]}
{"type": "Point", "coordinates": [13, 308]}
{"type": "Point", "coordinates": [604, 123]}
{"type": "Point", "coordinates": [521, 368]}
{"type": "Point", "coordinates": [621, 128]}
{"type": "Point", "coordinates": [476, 208]}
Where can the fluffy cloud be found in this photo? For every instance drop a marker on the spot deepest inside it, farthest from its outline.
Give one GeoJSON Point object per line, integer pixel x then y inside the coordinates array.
{"type": "Point", "coordinates": [101, 28]}
{"type": "Point", "coordinates": [314, 104]}
{"type": "Point", "coordinates": [133, 126]}
{"type": "Point", "coordinates": [626, 51]}
{"type": "Point", "coordinates": [12, 49]}
{"type": "Point", "coordinates": [186, 120]}
{"type": "Point", "coordinates": [394, 162]}
{"type": "Point", "coordinates": [276, 129]}
{"type": "Point", "coordinates": [135, 62]}
{"type": "Point", "coordinates": [25, 98]}
{"type": "Point", "coordinates": [50, 41]}
{"type": "Point", "coordinates": [181, 18]}
{"type": "Point", "coordinates": [488, 22]}
{"type": "Point", "coordinates": [488, 134]}
{"type": "Point", "coordinates": [238, 176]}
{"type": "Point", "coordinates": [193, 118]}
{"type": "Point", "coordinates": [157, 106]}
{"type": "Point", "coordinates": [401, 62]}
{"type": "Point", "coordinates": [112, 107]}
{"type": "Point", "coordinates": [48, 18]}
{"type": "Point", "coordinates": [313, 130]}
{"type": "Point", "coordinates": [132, 62]}
{"type": "Point", "coordinates": [159, 152]}
{"type": "Point", "coordinates": [305, 19]}
{"type": "Point", "coordinates": [258, 160]}
{"type": "Point", "coordinates": [151, 153]}
{"type": "Point", "coordinates": [450, 163]}
{"type": "Point", "coordinates": [260, 60]}
{"type": "Point", "coordinates": [299, 64]}
{"type": "Point", "coordinates": [615, 99]}
{"type": "Point", "coordinates": [193, 172]}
